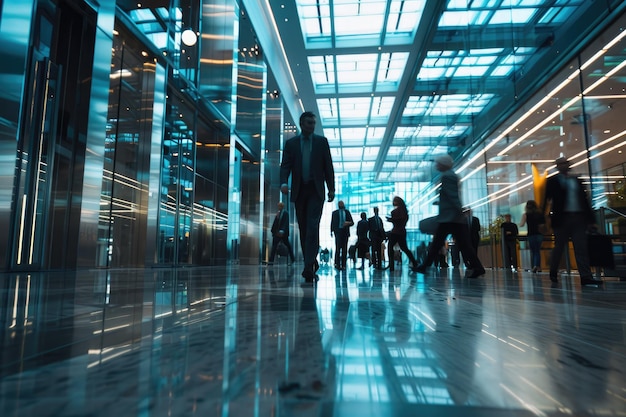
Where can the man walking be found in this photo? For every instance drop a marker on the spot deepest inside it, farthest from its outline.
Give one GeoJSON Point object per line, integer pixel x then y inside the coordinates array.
{"type": "Point", "coordinates": [377, 236]}
{"type": "Point", "coordinates": [451, 220]}
{"type": "Point", "coordinates": [571, 216]}
{"type": "Point", "coordinates": [280, 233]}
{"type": "Point", "coordinates": [340, 227]}
{"type": "Point", "coordinates": [307, 159]}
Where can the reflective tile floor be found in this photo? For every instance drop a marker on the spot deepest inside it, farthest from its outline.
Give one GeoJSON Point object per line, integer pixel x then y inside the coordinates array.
{"type": "Point", "coordinates": [253, 341]}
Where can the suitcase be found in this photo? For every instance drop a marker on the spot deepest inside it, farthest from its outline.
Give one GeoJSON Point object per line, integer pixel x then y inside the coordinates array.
{"type": "Point", "coordinates": [600, 248]}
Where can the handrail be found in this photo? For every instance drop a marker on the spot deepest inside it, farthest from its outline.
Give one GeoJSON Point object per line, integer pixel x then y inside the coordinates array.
{"type": "Point", "coordinates": [613, 210]}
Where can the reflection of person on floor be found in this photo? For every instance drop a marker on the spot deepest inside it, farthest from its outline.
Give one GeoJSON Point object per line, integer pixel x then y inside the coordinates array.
{"type": "Point", "coordinates": [310, 374]}
{"type": "Point", "coordinates": [324, 256]}
{"type": "Point", "coordinates": [401, 321]}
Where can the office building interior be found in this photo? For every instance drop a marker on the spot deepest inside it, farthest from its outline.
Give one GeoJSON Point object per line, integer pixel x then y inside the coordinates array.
{"type": "Point", "coordinates": [141, 146]}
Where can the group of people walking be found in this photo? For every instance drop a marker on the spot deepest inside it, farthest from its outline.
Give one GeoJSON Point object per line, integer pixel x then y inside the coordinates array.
{"type": "Point", "coordinates": [307, 160]}
{"type": "Point", "coordinates": [370, 235]}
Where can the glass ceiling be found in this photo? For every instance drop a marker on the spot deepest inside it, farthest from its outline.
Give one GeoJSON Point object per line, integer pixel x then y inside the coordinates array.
{"type": "Point", "coordinates": [392, 89]}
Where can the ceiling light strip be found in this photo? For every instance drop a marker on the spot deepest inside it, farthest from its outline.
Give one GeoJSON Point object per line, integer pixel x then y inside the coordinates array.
{"type": "Point", "coordinates": [585, 65]}
{"type": "Point", "coordinates": [540, 125]}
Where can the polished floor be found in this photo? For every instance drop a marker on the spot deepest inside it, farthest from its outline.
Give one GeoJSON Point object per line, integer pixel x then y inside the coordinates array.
{"type": "Point", "coordinates": [254, 341]}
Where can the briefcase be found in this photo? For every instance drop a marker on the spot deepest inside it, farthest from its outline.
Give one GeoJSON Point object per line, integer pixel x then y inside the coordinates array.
{"type": "Point", "coordinates": [600, 248]}
{"type": "Point", "coordinates": [429, 225]}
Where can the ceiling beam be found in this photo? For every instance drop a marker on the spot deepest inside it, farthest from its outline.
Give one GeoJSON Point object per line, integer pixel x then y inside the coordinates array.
{"type": "Point", "coordinates": [265, 27]}
{"type": "Point", "coordinates": [423, 36]}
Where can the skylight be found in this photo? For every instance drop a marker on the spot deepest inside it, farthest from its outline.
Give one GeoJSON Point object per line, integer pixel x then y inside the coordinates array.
{"type": "Point", "coordinates": [359, 22]}
{"type": "Point", "coordinates": [385, 91]}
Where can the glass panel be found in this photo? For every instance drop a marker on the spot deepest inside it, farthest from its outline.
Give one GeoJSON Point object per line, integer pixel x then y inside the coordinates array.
{"type": "Point", "coordinates": [604, 103]}
{"type": "Point", "coordinates": [123, 216]}
{"type": "Point", "coordinates": [177, 176]}
{"type": "Point", "coordinates": [218, 51]}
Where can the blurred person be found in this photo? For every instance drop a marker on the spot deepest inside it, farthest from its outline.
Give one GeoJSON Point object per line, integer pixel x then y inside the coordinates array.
{"type": "Point", "coordinates": [451, 220]}
{"type": "Point", "coordinates": [571, 217]}
{"type": "Point", "coordinates": [534, 219]}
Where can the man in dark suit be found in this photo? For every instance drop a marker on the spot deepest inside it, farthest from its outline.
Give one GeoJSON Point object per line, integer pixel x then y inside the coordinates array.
{"type": "Point", "coordinates": [307, 159]}
{"type": "Point", "coordinates": [377, 236]}
{"type": "Point", "coordinates": [340, 227]}
{"type": "Point", "coordinates": [280, 232]}
{"type": "Point", "coordinates": [509, 243]}
{"type": "Point", "coordinates": [571, 215]}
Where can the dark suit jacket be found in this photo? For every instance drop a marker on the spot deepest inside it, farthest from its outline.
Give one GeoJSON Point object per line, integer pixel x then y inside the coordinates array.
{"type": "Point", "coordinates": [334, 222]}
{"type": "Point", "coordinates": [321, 165]}
{"type": "Point", "coordinates": [362, 228]}
{"type": "Point", "coordinates": [509, 231]}
{"type": "Point", "coordinates": [281, 223]}
{"type": "Point", "coordinates": [450, 208]}
{"type": "Point", "coordinates": [377, 233]}
{"type": "Point", "coordinates": [556, 194]}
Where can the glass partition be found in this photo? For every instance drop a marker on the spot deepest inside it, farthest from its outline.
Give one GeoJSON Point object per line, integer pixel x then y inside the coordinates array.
{"type": "Point", "coordinates": [177, 180]}
{"type": "Point", "coordinates": [124, 202]}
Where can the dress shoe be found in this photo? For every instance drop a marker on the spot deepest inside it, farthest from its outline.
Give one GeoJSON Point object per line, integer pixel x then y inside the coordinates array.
{"type": "Point", "coordinates": [476, 273]}
{"type": "Point", "coordinates": [553, 278]}
{"type": "Point", "coordinates": [310, 276]}
{"type": "Point", "coordinates": [591, 281]}
{"type": "Point", "coordinates": [421, 269]}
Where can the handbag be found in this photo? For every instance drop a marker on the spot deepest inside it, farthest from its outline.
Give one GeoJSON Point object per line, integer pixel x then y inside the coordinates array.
{"type": "Point", "coordinates": [429, 225]}
{"type": "Point", "coordinates": [600, 249]}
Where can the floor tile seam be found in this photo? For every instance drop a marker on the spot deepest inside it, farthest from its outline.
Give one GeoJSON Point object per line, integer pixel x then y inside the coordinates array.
{"type": "Point", "coordinates": [580, 341]}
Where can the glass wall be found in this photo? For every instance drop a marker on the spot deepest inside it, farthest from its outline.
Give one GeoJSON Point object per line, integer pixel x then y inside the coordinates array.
{"type": "Point", "coordinates": [576, 115]}
{"type": "Point", "coordinates": [50, 156]}
{"type": "Point", "coordinates": [122, 160]}
{"type": "Point", "coordinates": [124, 204]}
{"type": "Point", "coordinates": [210, 212]}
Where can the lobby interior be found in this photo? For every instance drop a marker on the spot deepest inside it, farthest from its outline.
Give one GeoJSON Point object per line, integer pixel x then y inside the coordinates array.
{"type": "Point", "coordinates": [142, 145]}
